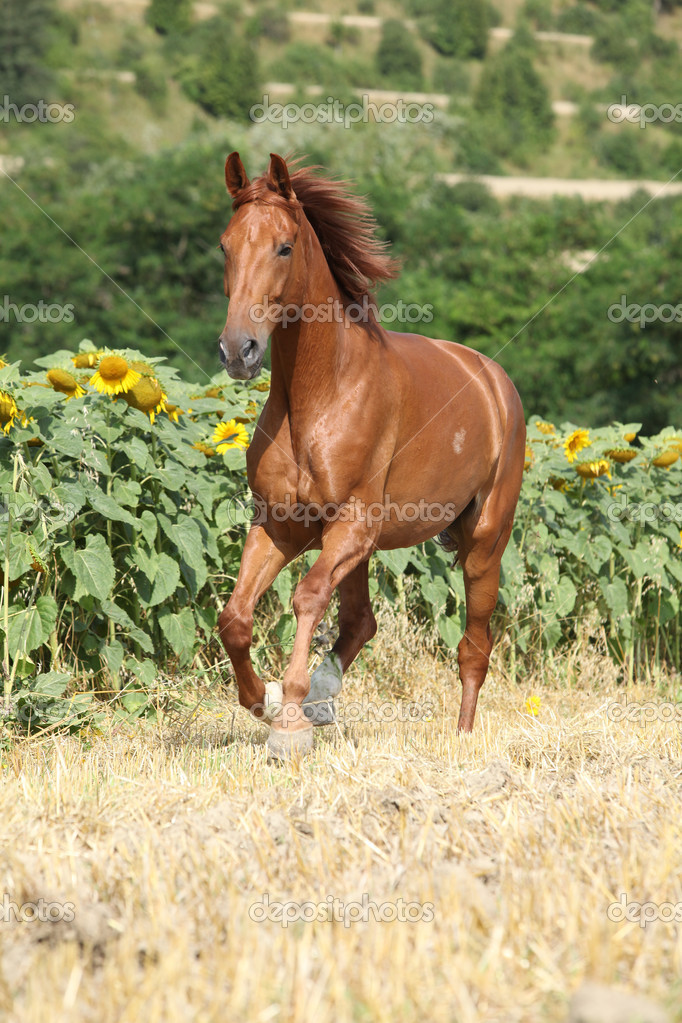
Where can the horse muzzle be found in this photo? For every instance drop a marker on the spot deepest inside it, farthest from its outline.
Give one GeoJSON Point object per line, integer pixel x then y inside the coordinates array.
{"type": "Point", "coordinates": [247, 362]}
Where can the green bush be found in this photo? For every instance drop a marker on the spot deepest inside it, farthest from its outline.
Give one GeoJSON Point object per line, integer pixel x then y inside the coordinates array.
{"type": "Point", "coordinates": [458, 28]}
{"type": "Point", "coordinates": [398, 58]}
{"type": "Point", "coordinates": [169, 17]}
{"type": "Point", "coordinates": [579, 19]}
{"type": "Point", "coordinates": [218, 68]}
{"type": "Point", "coordinates": [513, 104]}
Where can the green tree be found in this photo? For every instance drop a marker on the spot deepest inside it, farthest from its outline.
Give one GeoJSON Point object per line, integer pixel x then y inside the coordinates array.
{"type": "Point", "coordinates": [513, 103]}
{"type": "Point", "coordinates": [169, 17]}
{"type": "Point", "coordinates": [398, 58]}
{"type": "Point", "coordinates": [458, 28]}
{"type": "Point", "coordinates": [219, 69]}
{"type": "Point", "coordinates": [24, 41]}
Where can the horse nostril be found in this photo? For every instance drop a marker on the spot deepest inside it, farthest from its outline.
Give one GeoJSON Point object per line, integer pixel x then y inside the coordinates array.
{"type": "Point", "coordinates": [249, 352]}
{"type": "Point", "coordinates": [221, 353]}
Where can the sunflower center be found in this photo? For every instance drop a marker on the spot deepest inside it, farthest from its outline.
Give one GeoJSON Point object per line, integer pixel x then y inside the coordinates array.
{"type": "Point", "coordinates": [113, 368]}
{"type": "Point", "coordinates": [145, 395]}
{"type": "Point", "coordinates": [62, 381]}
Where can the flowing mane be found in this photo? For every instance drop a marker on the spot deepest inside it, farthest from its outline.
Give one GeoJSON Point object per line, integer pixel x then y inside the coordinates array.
{"type": "Point", "coordinates": [343, 223]}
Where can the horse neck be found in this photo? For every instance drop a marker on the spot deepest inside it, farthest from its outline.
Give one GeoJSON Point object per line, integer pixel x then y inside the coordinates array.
{"type": "Point", "coordinates": [307, 355]}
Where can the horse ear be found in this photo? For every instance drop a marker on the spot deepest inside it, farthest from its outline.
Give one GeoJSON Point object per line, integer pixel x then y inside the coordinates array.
{"type": "Point", "coordinates": [235, 175]}
{"type": "Point", "coordinates": [279, 176]}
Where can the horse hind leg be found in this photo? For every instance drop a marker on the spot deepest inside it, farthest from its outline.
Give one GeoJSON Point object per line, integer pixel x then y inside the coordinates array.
{"type": "Point", "coordinates": [357, 625]}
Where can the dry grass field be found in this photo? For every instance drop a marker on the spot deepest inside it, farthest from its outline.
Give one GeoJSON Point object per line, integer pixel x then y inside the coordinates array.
{"type": "Point", "coordinates": [158, 839]}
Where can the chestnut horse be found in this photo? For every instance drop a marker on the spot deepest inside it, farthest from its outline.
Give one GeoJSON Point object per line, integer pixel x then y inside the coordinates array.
{"type": "Point", "coordinates": [358, 419]}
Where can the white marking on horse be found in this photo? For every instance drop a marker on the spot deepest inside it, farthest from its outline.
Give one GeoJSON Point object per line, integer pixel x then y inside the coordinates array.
{"type": "Point", "coordinates": [458, 441]}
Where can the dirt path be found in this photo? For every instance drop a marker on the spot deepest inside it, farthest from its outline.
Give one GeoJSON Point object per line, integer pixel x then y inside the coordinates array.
{"type": "Point", "coordinates": [591, 189]}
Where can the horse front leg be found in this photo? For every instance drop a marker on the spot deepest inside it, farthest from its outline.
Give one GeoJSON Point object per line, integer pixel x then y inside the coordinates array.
{"type": "Point", "coordinates": [262, 561]}
{"type": "Point", "coordinates": [345, 546]}
{"type": "Point", "coordinates": [357, 625]}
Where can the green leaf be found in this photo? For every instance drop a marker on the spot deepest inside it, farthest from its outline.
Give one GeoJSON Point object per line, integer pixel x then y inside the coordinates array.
{"type": "Point", "coordinates": [179, 630]}
{"type": "Point", "coordinates": [30, 627]}
{"type": "Point", "coordinates": [112, 654]}
{"type": "Point", "coordinates": [147, 525]}
{"type": "Point", "coordinates": [166, 581]}
{"type": "Point", "coordinates": [52, 683]}
{"type": "Point", "coordinates": [396, 561]}
{"type": "Point", "coordinates": [120, 617]}
{"type": "Point", "coordinates": [92, 566]}
{"type": "Point", "coordinates": [105, 505]}
{"type": "Point", "coordinates": [451, 631]}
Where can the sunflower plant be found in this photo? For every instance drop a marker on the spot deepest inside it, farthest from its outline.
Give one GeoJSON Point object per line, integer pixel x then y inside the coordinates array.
{"type": "Point", "coordinates": [118, 531]}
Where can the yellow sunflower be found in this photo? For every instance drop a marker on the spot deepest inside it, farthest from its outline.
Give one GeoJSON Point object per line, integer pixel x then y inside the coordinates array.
{"type": "Point", "coordinates": [146, 396]}
{"type": "Point", "coordinates": [629, 437]}
{"type": "Point", "coordinates": [8, 411]}
{"type": "Point", "coordinates": [213, 392]}
{"type": "Point", "coordinates": [85, 360]}
{"type": "Point", "coordinates": [575, 442]}
{"type": "Point", "coordinates": [666, 458]}
{"type": "Point", "coordinates": [114, 375]}
{"type": "Point", "coordinates": [204, 448]}
{"type": "Point", "coordinates": [621, 455]}
{"type": "Point", "coordinates": [546, 428]}
{"type": "Point", "coordinates": [64, 382]}
{"type": "Point", "coordinates": [591, 470]}
{"type": "Point", "coordinates": [230, 435]}
{"type": "Point", "coordinates": [172, 411]}
{"type": "Point", "coordinates": [528, 459]}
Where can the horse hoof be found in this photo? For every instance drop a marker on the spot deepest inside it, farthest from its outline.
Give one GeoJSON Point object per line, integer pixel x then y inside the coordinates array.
{"type": "Point", "coordinates": [326, 680]}
{"type": "Point", "coordinates": [323, 713]}
{"type": "Point", "coordinates": [286, 745]}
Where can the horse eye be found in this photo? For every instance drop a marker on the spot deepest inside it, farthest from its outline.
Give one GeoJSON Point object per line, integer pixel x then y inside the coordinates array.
{"type": "Point", "coordinates": [285, 250]}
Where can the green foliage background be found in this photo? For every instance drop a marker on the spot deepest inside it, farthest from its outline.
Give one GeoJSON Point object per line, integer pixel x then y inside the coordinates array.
{"type": "Point", "coordinates": [117, 213]}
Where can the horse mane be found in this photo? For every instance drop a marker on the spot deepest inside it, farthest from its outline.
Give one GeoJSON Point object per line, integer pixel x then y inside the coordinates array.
{"type": "Point", "coordinates": [344, 225]}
